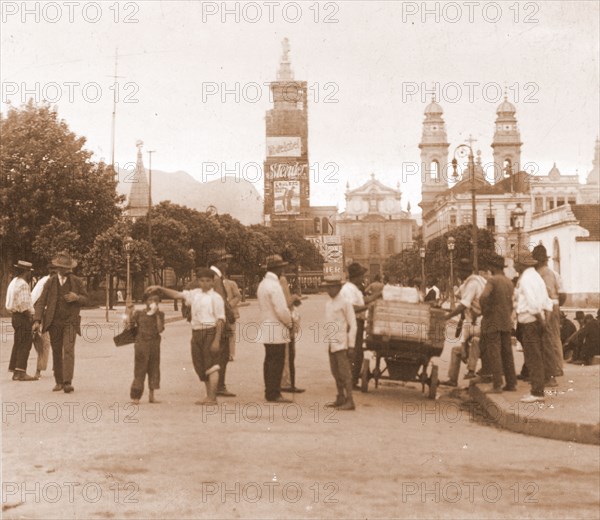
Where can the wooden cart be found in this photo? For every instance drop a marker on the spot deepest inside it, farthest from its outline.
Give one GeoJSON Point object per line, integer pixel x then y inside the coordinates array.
{"type": "Point", "coordinates": [406, 336]}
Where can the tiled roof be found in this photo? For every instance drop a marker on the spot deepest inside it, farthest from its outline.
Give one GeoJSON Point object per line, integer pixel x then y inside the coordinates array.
{"type": "Point", "coordinates": [588, 216]}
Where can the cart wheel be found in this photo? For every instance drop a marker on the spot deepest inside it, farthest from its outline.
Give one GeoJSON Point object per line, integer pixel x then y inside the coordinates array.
{"type": "Point", "coordinates": [365, 375]}
{"type": "Point", "coordinates": [433, 382]}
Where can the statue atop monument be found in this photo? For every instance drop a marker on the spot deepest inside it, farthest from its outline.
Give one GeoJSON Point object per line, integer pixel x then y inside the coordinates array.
{"type": "Point", "coordinates": [285, 69]}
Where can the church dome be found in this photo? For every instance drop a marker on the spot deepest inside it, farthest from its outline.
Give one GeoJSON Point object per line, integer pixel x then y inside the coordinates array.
{"type": "Point", "coordinates": [433, 108]}
{"type": "Point", "coordinates": [554, 173]}
{"type": "Point", "coordinates": [506, 107]}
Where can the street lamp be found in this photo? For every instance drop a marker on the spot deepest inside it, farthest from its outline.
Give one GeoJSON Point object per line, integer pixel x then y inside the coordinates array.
{"type": "Point", "coordinates": [128, 249]}
{"type": "Point", "coordinates": [192, 255]}
{"type": "Point", "coordinates": [518, 216]}
{"type": "Point", "coordinates": [451, 245]}
{"type": "Point", "coordinates": [422, 255]}
{"type": "Point", "coordinates": [460, 149]}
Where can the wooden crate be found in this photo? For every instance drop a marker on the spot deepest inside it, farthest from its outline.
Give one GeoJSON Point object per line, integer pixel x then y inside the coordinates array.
{"type": "Point", "coordinates": [411, 322]}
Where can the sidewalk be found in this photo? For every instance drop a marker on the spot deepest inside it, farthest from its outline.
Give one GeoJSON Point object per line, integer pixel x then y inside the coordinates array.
{"type": "Point", "coordinates": [571, 411]}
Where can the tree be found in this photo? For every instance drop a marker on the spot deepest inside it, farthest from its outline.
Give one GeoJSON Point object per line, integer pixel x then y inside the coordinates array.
{"type": "Point", "coordinates": [51, 192]}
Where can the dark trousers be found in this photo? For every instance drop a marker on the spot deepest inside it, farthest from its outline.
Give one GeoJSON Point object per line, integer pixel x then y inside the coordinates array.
{"type": "Point", "coordinates": [499, 356]}
{"type": "Point", "coordinates": [272, 369]}
{"type": "Point", "coordinates": [358, 351]}
{"type": "Point", "coordinates": [62, 339]}
{"type": "Point", "coordinates": [22, 323]}
{"type": "Point", "coordinates": [147, 361]}
{"type": "Point", "coordinates": [223, 358]}
{"type": "Point", "coordinates": [205, 362]}
{"type": "Point", "coordinates": [531, 334]}
{"type": "Point", "coordinates": [342, 373]}
{"type": "Point", "coordinates": [291, 359]}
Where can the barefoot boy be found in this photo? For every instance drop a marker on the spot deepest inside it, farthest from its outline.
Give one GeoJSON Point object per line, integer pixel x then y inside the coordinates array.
{"type": "Point", "coordinates": [149, 322]}
{"type": "Point", "coordinates": [208, 320]}
{"type": "Point", "coordinates": [340, 323]}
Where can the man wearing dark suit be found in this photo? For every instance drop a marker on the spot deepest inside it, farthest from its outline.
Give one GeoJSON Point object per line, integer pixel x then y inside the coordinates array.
{"type": "Point", "coordinates": [219, 263]}
{"type": "Point", "coordinates": [58, 309]}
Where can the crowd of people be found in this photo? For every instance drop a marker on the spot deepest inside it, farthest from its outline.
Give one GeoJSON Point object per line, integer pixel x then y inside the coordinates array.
{"type": "Point", "coordinates": [492, 309]}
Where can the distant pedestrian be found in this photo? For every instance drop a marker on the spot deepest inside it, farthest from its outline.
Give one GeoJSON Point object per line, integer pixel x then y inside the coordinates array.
{"type": "Point", "coordinates": [288, 377]}
{"type": "Point", "coordinates": [149, 324]}
{"type": "Point", "coordinates": [551, 335]}
{"type": "Point", "coordinates": [19, 304]}
{"type": "Point", "coordinates": [340, 312]}
{"type": "Point", "coordinates": [496, 302]}
{"type": "Point", "coordinates": [567, 329]}
{"type": "Point", "coordinates": [276, 323]}
{"type": "Point", "coordinates": [531, 302]}
{"type": "Point", "coordinates": [41, 340]}
{"type": "Point", "coordinates": [58, 308]}
{"type": "Point", "coordinates": [234, 297]}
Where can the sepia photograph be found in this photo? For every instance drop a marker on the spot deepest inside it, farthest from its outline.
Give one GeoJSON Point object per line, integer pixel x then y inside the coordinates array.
{"type": "Point", "coordinates": [300, 259]}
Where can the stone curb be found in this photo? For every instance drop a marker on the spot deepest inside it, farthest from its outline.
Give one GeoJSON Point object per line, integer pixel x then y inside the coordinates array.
{"type": "Point", "coordinates": [520, 419]}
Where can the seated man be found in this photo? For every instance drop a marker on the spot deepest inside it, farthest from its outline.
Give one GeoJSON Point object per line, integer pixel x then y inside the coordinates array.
{"type": "Point", "coordinates": [590, 341]}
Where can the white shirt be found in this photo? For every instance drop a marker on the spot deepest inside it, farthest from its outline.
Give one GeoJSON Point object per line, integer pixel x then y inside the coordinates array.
{"type": "Point", "coordinates": [207, 308]}
{"type": "Point", "coordinates": [18, 296]}
{"type": "Point", "coordinates": [39, 287]}
{"type": "Point", "coordinates": [340, 323]}
{"type": "Point", "coordinates": [276, 318]}
{"type": "Point", "coordinates": [470, 291]}
{"type": "Point", "coordinates": [531, 296]}
{"type": "Point", "coordinates": [354, 296]}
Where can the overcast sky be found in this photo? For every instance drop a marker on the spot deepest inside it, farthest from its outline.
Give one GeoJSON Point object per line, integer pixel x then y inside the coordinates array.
{"type": "Point", "coordinates": [367, 60]}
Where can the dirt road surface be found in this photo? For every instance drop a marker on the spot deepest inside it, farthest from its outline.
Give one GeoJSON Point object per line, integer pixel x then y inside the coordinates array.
{"type": "Point", "coordinates": [90, 454]}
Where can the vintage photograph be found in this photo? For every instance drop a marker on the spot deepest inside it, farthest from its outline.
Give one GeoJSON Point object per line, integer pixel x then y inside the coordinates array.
{"type": "Point", "coordinates": [300, 259]}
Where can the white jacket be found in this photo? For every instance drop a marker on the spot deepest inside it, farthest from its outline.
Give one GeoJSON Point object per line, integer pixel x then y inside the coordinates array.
{"type": "Point", "coordinates": [276, 318]}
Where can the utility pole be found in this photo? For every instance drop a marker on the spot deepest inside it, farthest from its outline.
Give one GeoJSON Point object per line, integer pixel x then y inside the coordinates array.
{"type": "Point", "coordinates": [150, 262]}
{"type": "Point", "coordinates": [112, 162]}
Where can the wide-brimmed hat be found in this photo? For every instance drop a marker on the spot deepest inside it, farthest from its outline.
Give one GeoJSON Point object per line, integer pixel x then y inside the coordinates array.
{"type": "Point", "coordinates": [65, 260]}
{"type": "Point", "coordinates": [579, 315]}
{"type": "Point", "coordinates": [527, 260]}
{"type": "Point", "coordinates": [331, 281]}
{"type": "Point", "coordinates": [274, 261]}
{"type": "Point", "coordinates": [539, 253]}
{"type": "Point", "coordinates": [216, 255]}
{"type": "Point", "coordinates": [497, 261]}
{"type": "Point", "coordinates": [24, 266]}
{"type": "Point", "coordinates": [355, 269]}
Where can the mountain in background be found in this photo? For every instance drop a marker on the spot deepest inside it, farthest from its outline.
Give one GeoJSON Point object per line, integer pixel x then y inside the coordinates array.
{"type": "Point", "coordinates": [238, 198]}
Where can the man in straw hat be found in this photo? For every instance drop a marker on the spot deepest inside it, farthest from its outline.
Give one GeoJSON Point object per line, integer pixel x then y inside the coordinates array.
{"type": "Point", "coordinates": [59, 308]}
{"type": "Point", "coordinates": [531, 302]}
{"type": "Point", "coordinates": [551, 338]}
{"type": "Point", "coordinates": [339, 311]}
{"type": "Point", "coordinates": [18, 302]}
{"type": "Point", "coordinates": [276, 324]}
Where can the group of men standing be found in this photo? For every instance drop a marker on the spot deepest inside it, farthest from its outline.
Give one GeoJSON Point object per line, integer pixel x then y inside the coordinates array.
{"type": "Point", "coordinates": [47, 316]}
{"type": "Point", "coordinates": [529, 307]}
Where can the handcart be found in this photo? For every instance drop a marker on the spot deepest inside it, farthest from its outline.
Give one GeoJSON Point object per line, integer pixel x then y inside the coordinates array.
{"type": "Point", "coordinates": [406, 336]}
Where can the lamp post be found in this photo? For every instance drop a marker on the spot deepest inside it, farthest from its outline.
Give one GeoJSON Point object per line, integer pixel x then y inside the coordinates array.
{"type": "Point", "coordinates": [192, 255]}
{"type": "Point", "coordinates": [451, 245]}
{"type": "Point", "coordinates": [518, 216]}
{"type": "Point", "coordinates": [460, 149]}
{"type": "Point", "coordinates": [422, 255]}
{"type": "Point", "coordinates": [128, 248]}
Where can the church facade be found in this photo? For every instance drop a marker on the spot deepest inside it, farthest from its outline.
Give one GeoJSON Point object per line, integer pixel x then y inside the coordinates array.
{"type": "Point", "coordinates": [374, 226]}
{"type": "Point", "coordinates": [447, 201]}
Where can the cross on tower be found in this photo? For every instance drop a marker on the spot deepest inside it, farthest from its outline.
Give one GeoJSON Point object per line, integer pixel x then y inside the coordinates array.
{"type": "Point", "coordinates": [471, 140]}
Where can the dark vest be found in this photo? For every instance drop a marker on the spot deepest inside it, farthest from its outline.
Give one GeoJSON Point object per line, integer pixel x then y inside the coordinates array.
{"type": "Point", "coordinates": [63, 311]}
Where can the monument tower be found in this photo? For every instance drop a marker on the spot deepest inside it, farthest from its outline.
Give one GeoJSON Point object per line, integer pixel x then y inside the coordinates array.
{"type": "Point", "coordinates": [287, 187]}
